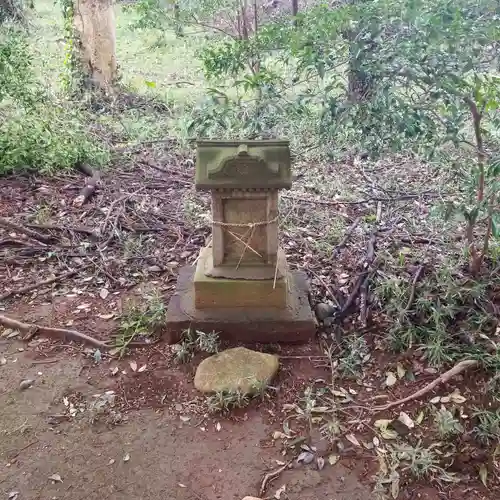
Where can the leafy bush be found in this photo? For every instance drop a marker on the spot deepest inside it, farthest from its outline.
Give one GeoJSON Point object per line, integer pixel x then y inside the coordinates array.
{"type": "Point", "coordinates": [36, 132]}
{"type": "Point", "coordinates": [16, 77]}
{"type": "Point", "coordinates": [46, 138]}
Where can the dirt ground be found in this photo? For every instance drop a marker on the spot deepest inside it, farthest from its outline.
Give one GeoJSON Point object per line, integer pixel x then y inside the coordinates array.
{"type": "Point", "coordinates": [152, 437]}
{"type": "Point", "coordinates": [168, 458]}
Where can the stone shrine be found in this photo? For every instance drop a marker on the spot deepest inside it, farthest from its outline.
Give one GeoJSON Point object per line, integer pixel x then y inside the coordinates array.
{"type": "Point", "coordinates": [241, 286]}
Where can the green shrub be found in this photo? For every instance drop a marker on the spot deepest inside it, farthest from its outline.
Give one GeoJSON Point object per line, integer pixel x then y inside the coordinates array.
{"type": "Point", "coordinates": [46, 138]}
{"type": "Point", "coordinates": [16, 76]}
{"type": "Point", "coordinates": [37, 132]}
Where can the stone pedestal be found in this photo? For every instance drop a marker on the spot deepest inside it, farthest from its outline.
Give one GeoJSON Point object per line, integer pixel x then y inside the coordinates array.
{"type": "Point", "coordinates": [241, 286]}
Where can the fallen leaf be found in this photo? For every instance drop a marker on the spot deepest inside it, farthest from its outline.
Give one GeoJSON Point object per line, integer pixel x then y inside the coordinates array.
{"type": "Point", "coordinates": [320, 462]}
{"type": "Point", "coordinates": [3, 361]}
{"type": "Point", "coordinates": [352, 439]}
{"type": "Point", "coordinates": [368, 446]}
{"type": "Point", "coordinates": [333, 459]}
{"type": "Point", "coordinates": [339, 394]}
{"type": "Point", "coordinates": [406, 419]}
{"type": "Point", "coordinates": [106, 316]}
{"type": "Point", "coordinates": [13, 334]}
{"type": "Point", "coordinates": [13, 495]}
{"type": "Point", "coordinates": [56, 478]}
{"type": "Point", "coordinates": [483, 474]}
{"type": "Point", "coordinates": [279, 492]}
{"type": "Point", "coordinates": [279, 435]}
{"type": "Point", "coordinates": [114, 371]}
{"type": "Point", "coordinates": [457, 398]}
{"type": "Point", "coordinates": [133, 366]}
{"type": "Point", "coordinates": [184, 418]}
{"type": "Point", "coordinates": [445, 399]}
{"type": "Point", "coordinates": [420, 418]}
{"type": "Point", "coordinates": [111, 462]}
{"type": "Point", "coordinates": [394, 485]}
{"type": "Point", "coordinates": [435, 400]}
{"type": "Point", "coordinates": [103, 293]}
{"type": "Point", "coordinates": [382, 426]}
{"type": "Point", "coordinates": [286, 428]}
{"type": "Point", "coordinates": [142, 368]}
{"type": "Point", "coordinates": [376, 441]}
{"type": "Point", "coordinates": [400, 370]}
{"type": "Point", "coordinates": [400, 427]}
{"type": "Point", "coordinates": [97, 356]}
{"type": "Point", "coordinates": [126, 458]}
{"type": "Point", "coordinates": [390, 379]}
{"type": "Point", "coordinates": [305, 457]}
{"type": "Point", "coordinates": [182, 485]}
{"type": "Point", "coordinates": [218, 427]}
{"type": "Point", "coordinates": [26, 384]}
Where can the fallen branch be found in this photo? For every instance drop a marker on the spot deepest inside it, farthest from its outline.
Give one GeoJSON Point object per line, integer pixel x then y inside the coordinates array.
{"type": "Point", "coordinates": [38, 284]}
{"type": "Point", "coordinates": [24, 230]}
{"type": "Point", "coordinates": [75, 229]}
{"type": "Point", "coordinates": [31, 329]}
{"type": "Point", "coordinates": [362, 280]}
{"type": "Point", "coordinates": [271, 476]}
{"type": "Point", "coordinates": [346, 237]}
{"type": "Point", "coordinates": [442, 379]}
{"type": "Point", "coordinates": [418, 273]}
{"type": "Point", "coordinates": [91, 183]}
{"type": "Point", "coordinates": [370, 199]}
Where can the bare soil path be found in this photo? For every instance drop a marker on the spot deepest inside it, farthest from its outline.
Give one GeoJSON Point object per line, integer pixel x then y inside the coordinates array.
{"type": "Point", "coordinates": [167, 458]}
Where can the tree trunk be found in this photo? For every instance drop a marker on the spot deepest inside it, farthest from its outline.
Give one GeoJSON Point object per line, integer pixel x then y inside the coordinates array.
{"type": "Point", "coordinates": [94, 23]}
{"type": "Point", "coordinates": [361, 82]}
{"type": "Point", "coordinates": [295, 7]}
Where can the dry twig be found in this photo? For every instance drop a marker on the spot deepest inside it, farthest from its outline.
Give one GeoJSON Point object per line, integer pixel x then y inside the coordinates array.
{"type": "Point", "coordinates": [33, 286]}
{"type": "Point", "coordinates": [442, 379]}
{"type": "Point", "coordinates": [91, 183]}
{"type": "Point", "coordinates": [56, 333]}
{"type": "Point", "coordinates": [271, 476]}
{"type": "Point", "coordinates": [24, 230]}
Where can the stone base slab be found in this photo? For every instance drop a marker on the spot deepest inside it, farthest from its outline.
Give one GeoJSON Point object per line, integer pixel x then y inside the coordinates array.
{"type": "Point", "coordinates": [293, 324]}
{"type": "Point", "coordinates": [212, 292]}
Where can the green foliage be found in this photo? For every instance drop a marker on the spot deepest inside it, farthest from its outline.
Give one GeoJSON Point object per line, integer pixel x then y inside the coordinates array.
{"type": "Point", "coordinates": [354, 355]}
{"type": "Point", "coordinates": [223, 402]}
{"type": "Point", "coordinates": [140, 320]}
{"type": "Point", "coordinates": [487, 428]}
{"type": "Point", "coordinates": [46, 138]}
{"type": "Point", "coordinates": [73, 76]}
{"type": "Point", "coordinates": [37, 133]}
{"type": "Point", "coordinates": [386, 76]}
{"type": "Point", "coordinates": [16, 77]}
{"type": "Point", "coordinates": [446, 424]}
{"type": "Point", "coordinates": [194, 341]}
{"type": "Point", "coordinates": [450, 318]}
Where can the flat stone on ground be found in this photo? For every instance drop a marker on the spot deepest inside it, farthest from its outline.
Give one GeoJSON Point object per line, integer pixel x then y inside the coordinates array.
{"type": "Point", "coordinates": [237, 369]}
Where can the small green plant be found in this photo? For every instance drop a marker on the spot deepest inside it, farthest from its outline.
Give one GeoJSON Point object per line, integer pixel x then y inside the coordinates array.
{"type": "Point", "coordinates": [224, 401]}
{"type": "Point", "coordinates": [446, 424]}
{"type": "Point", "coordinates": [354, 355]}
{"type": "Point", "coordinates": [421, 462]}
{"type": "Point", "coordinates": [140, 320]}
{"type": "Point", "coordinates": [196, 341]}
{"type": "Point", "coordinates": [487, 428]}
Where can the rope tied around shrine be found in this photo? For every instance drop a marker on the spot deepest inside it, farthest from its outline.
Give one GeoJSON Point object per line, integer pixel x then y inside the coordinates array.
{"type": "Point", "coordinates": [247, 236]}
